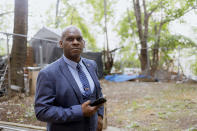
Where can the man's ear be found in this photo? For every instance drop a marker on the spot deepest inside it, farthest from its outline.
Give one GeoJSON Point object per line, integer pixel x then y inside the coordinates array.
{"type": "Point", "coordinates": [61, 44]}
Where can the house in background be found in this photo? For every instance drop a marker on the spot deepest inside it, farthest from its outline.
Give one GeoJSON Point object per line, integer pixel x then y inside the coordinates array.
{"type": "Point", "coordinates": [45, 48]}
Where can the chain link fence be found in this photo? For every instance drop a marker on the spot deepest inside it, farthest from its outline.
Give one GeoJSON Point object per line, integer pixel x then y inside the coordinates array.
{"type": "Point", "coordinates": [39, 50]}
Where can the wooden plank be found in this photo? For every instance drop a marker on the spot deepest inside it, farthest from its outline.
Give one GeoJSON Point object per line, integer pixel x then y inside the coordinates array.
{"type": "Point", "coordinates": [23, 125]}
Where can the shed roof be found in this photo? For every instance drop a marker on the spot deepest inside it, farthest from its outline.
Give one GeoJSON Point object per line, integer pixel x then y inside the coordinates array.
{"type": "Point", "coordinates": [47, 33]}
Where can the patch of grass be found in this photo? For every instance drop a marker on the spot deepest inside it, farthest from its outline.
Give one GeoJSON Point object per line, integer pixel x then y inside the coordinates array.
{"type": "Point", "coordinates": [133, 125]}
{"type": "Point", "coordinates": [162, 115]}
{"type": "Point", "coordinates": [29, 112]}
{"type": "Point", "coordinates": [169, 108]}
{"type": "Point", "coordinates": [135, 105]}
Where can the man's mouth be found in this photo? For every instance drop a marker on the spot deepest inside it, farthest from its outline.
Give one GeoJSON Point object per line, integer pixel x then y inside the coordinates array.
{"type": "Point", "coordinates": [76, 49]}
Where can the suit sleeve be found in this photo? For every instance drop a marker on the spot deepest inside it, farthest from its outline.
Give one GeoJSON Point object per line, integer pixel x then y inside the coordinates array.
{"type": "Point", "coordinates": [44, 103]}
{"type": "Point", "coordinates": [100, 94]}
{"type": "Point", "coordinates": [101, 109]}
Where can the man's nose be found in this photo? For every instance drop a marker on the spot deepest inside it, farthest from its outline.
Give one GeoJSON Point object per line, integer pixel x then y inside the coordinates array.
{"type": "Point", "coordinates": [76, 42]}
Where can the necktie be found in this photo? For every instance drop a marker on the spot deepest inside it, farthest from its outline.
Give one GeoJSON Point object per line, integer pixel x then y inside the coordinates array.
{"type": "Point", "coordinates": [84, 81]}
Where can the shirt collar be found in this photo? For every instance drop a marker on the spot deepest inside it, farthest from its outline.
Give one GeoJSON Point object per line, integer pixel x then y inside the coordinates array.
{"type": "Point", "coordinates": [72, 63]}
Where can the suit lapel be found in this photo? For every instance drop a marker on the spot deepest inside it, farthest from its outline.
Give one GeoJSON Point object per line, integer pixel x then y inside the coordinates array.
{"type": "Point", "coordinates": [91, 71]}
{"type": "Point", "coordinates": [64, 68]}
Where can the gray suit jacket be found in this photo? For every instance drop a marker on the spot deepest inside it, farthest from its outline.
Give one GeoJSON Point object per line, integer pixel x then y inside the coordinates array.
{"type": "Point", "coordinates": [58, 98]}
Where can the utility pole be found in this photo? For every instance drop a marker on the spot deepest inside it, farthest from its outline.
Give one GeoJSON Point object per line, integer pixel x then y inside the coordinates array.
{"type": "Point", "coordinates": [108, 60]}
{"type": "Point", "coordinates": [56, 14]}
{"type": "Point", "coordinates": [105, 14]}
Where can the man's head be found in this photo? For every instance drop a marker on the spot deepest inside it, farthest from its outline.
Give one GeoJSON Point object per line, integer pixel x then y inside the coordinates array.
{"type": "Point", "coordinates": [72, 43]}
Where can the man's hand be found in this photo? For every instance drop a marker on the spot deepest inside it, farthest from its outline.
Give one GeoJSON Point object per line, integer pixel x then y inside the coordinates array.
{"type": "Point", "coordinates": [89, 110]}
{"type": "Point", "coordinates": [100, 124]}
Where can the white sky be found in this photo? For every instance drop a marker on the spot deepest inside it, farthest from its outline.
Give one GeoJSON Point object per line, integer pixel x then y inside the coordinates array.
{"type": "Point", "coordinates": [186, 28]}
{"type": "Point", "coordinates": [37, 19]}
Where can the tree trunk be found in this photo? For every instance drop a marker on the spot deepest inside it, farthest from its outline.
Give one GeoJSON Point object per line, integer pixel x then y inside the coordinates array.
{"type": "Point", "coordinates": [19, 48]}
{"type": "Point", "coordinates": [155, 60]}
{"type": "Point", "coordinates": [142, 34]}
{"type": "Point", "coordinates": [108, 55]}
{"type": "Point", "coordinates": [108, 61]}
{"type": "Point", "coordinates": [143, 31]}
{"type": "Point", "coordinates": [143, 57]}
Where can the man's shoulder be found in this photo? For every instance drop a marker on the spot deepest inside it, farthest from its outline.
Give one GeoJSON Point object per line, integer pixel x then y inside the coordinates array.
{"type": "Point", "coordinates": [89, 61]}
{"type": "Point", "coordinates": [52, 66]}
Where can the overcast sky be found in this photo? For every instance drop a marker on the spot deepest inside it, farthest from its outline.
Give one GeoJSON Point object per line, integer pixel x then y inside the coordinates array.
{"type": "Point", "coordinates": [37, 19]}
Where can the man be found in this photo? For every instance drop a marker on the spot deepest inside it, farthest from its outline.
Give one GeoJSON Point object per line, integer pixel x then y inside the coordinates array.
{"type": "Point", "coordinates": [65, 88]}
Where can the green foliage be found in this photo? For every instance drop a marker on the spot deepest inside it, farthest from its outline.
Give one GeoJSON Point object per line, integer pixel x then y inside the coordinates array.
{"type": "Point", "coordinates": [69, 15]}
{"type": "Point", "coordinates": [170, 43]}
{"type": "Point", "coordinates": [175, 41]}
{"type": "Point", "coordinates": [87, 34]}
{"type": "Point", "coordinates": [123, 31]}
{"type": "Point", "coordinates": [194, 67]}
{"type": "Point", "coordinates": [127, 60]}
{"type": "Point", "coordinates": [133, 125]}
{"type": "Point", "coordinates": [128, 57]}
{"type": "Point", "coordinates": [117, 65]}
{"type": "Point", "coordinates": [50, 22]}
{"type": "Point", "coordinates": [126, 27]}
{"type": "Point", "coordinates": [98, 10]}
{"type": "Point", "coordinates": [163, 12]}
{"type": "Point", "coordinates": [174, 9]}
{"type": "Point", "coordinates": [194, 62]}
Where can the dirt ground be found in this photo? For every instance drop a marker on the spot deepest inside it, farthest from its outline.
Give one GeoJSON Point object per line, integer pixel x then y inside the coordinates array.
{"type": "Point", "coordinates": [131, 105]}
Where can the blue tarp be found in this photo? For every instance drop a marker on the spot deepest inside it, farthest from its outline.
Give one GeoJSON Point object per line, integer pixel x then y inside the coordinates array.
{"type": "Point", "coordinates": [122, 78]}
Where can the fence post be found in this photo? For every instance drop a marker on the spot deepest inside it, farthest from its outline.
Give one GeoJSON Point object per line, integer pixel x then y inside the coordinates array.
{"type": "Point", "coordinates": [105, 115]}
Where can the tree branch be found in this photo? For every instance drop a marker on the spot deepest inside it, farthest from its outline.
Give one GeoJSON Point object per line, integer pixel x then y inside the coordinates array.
{"type": "Point", "coordinates": [116, 49]}
{"type": "Point", "coordinates": [150, 13]}
{"type": "Point", "coordinates": [146, 19]}
{"type": "Point", "coordinates": [137, 11]}
{"type": "Point", "coordinates": [5, 13]}
{"type": "Point", "coordinates": [144, 5]}
{"type": "Point", "coordinates": [172, 19]}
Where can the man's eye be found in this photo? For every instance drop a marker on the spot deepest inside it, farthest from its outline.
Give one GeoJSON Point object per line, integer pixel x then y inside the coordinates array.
{"type": "Point", "coordinates": [70, 39]}
{"type": "Point", "coordinates": [79, 39]}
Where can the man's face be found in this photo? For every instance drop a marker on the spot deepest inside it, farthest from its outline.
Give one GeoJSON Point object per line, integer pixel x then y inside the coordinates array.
{"type": "Point", "coordinates": [72, 44]}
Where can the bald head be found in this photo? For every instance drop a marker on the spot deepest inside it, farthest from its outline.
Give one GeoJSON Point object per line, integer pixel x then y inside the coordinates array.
{"type": "Point", "coordinates": [70, 29]}
{"type": "Point", "coordinates": [72, 43]}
